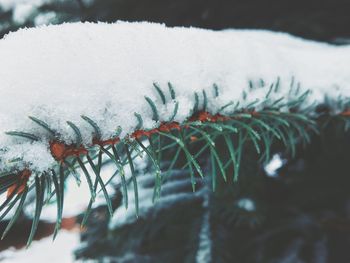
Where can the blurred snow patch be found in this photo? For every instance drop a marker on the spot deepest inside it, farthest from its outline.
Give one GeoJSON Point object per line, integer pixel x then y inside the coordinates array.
{"type": "Point", "coordinates": [44, 250]}
{"type": "Point", "coordinates": [275, 163]}
{"type": "Point", "coordinates": [76, 198]}
{"type": "Point", "coordinates": [22, 12]}
{"type": "Point", "coordinates": [45, 18]}
{"type": "Point", "coordinates": [246, 204]}
{"type": "Point", "coordinates": [205, 244]}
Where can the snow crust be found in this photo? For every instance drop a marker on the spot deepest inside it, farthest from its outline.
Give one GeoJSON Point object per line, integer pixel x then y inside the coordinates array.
{"type": "Point", "coordinates": [58, 73]}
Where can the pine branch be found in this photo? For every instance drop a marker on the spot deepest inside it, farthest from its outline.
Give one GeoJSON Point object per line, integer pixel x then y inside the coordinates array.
{"type": "Point", "coordinates": [260, 123]}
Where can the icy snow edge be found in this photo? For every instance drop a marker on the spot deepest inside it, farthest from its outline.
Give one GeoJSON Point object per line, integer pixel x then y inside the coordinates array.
{"type": "Point", "coordinates": [58, 73]}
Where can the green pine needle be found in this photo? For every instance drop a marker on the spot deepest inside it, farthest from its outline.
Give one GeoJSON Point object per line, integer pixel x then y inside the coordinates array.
{"type": "Point", "coordinates": [160, 92]}
{"type": "Point", "coordinates": [139, 121]}
{"type": "Point", "coordinates": [97, 130]}
{"type": "Point", "coordinates": [59, 187]}
{"type": "Point", "coordinates": [205, 100]}
{"type": "Point", "coordinates": [259, 124]}
{"type": "Point", "coordinates": [134, 180]}
{"type": "Point", "coordinates": [16, 214]}
{"type": "Point", "coordinates": [176, 108]}
{"type": "Point", "coordinates": [216, 90]}
{"type": "Point", "coordinates": [196, 103]}
{"type": "Point", "coordinates": [88, 178]}
{"type": "Point", "coordinates": [100, 181]}
{"type": "Point", "coordinates": [189, 156]}
{"type": "Point", "coordinates": [158, 179]}
{"type": "Point", "coordinates": [79, 138]}
{"type": "Point", "coordinates": [122, 175]}
{"type": "Point", "coordinates": [172, 91]}
{"type": "Point", "coordinates": [39, 187]}
{"type": "Point", "coordinates": [225, 106]}
{"type": "Point", "coordinates": [153, 108]}
{"type": "Point", "coordinates": [43, 125]}
{"type": "Point", "coordinates": [23, 135]}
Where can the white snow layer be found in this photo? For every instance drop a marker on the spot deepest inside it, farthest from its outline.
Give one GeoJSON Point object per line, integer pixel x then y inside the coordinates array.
{"type": "Point", "coordinates": [58, 73]}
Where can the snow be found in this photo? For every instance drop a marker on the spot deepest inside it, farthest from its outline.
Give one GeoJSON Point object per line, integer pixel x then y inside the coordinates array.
{"type": "Point", "coordinates": [22, 10]}
{"type": "Point", "coordinates": [204, 248]}
{"type": "Point", "coordinates": [22, 13]}
{"type": "Point", "coordinates": [246, 204]}
{"type": "Point", "coordinates": [205, 245]}
{"type": "Point", "coordinates": [44, 250]}
{"type": "Point", "coordinates": [273, 165]}
{"type": "Point", "coordinates": [58, 73]}
{"type": "Point", "coordinates": [123, 216]}
{"type": "Point", "coordinates": [45, 18]}
{"type": "Point", "coordinates": [77, 197]}
{"type": "Point", "coordinates": [170, 195]}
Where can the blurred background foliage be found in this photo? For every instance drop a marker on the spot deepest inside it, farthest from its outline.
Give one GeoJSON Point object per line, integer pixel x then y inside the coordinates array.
{"type": "Point", "coordinates": [326, 20]}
